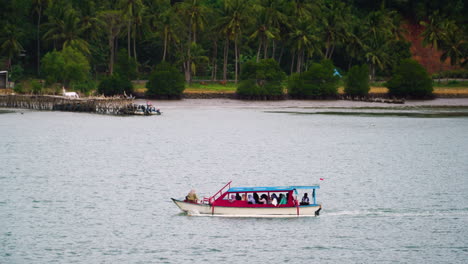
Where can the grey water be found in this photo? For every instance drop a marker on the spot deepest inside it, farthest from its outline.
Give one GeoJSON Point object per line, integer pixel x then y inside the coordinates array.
{"type": "Point", "coordinates": [86, 188]}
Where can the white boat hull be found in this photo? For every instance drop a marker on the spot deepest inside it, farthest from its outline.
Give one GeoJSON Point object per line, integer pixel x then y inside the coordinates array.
{"type": "Point", "coordinates": [206, 209]}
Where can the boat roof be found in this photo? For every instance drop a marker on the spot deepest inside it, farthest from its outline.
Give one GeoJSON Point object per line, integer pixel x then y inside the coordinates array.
{"type": "Point", "coordinates": [272, 188]}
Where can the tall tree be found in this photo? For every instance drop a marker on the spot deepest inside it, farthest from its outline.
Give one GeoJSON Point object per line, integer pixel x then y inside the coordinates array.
{"type": "Point", "coordinates": [112, 22]}
{"type": "Point", "coordinates": [38, 8]}
{"type": "Point", "coordinates": [9, 42]}
{"type": "Point", "coordinates": [194, 15]}
{"type": "Point", "coordinates": [235, 17]}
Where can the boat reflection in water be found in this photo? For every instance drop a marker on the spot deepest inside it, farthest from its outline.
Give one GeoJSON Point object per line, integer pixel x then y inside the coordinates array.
{"type": "Point", "coordinates": [276, 201]}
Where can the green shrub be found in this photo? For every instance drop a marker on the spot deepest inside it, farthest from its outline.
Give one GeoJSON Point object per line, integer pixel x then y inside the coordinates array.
{"type": "Point", "coordinates": [319, 81]}
{"type": "Point", "coordinates": [85, 87]}
{"type": "Point", "coordinates": [410, 79]}
{"type": "Point", "coordinates": [19, 89]}
{"type": "Point", "coordinates": [17, 73]}
{"type": "Point", "coordinates": [36, 87]}
{"type": "Point", "coordinates": [261, 80]}
{"type": "Point", "coordinates": [66, 66]}
{"type": "Point", "coordinates": [357, 81]}
{"type": "Point", "coordinates": [126, 67]}
{"type": "Point", "coordinates": [115, 85]}
{"type": "Point", "coordinates": [165, 82]}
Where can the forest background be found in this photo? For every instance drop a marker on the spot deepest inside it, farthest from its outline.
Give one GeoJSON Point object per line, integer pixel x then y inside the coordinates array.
{"type": "Point", "coordinates": [79, 42]}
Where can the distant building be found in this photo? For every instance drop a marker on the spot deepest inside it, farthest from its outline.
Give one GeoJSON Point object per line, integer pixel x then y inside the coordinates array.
{"type": "Point", "coordinates": [4, 80]}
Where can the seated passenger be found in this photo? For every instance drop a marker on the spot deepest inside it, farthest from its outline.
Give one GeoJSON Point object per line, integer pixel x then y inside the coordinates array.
{"type": "Point", "coordinates": [257, 199]}
{"type": "Point", "coordinates": [263, 199]}
{"type": "Point", "coordinates": [274, 199]}
{"type": "Point", "coordinates": [250, 199]}
{"type": "Point", "coordinates": [238, 197]}
{"type": "Point", "coordinates": [282, 199]}
{"type": "Point", "coordinates": [191, 197]}
{"type": "Point", "coordinates": [305, 199]}
{"type": "Point", "coordinates": [244, 198]}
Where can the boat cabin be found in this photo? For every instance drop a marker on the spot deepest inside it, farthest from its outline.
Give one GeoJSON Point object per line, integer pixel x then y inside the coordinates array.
{"type": "Point", "coordinates": [280, 196]}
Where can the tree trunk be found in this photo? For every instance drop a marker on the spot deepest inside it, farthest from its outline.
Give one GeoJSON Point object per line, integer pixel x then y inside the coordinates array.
{"type": "Point", "coordinates": [259, 49]}
{"type": "Point", "coordinates": [226, 52]}
{"type": "Point", "coordinates": [128, 38]}
{"type": "Point", "coordinates": [265, 50]}
{"type": "Point", "coordinates": [331, 52]}
{"type": "Point", "coordinates": [39, 42]}
{"type": "Point", "coordinates": [281, 54]}
{"type": "Point", "coordinates": [134, 47]}
{"type": "Point", "coordinates": [327, 47]}
{"type": "Point", "coordinates": [299, 61]}
{"type": "Point", "coordinates": [236, 55]}
{"type": "Point", "coordinates": [165, 44]}
{"type": "Point", "coordinates": [214, 60]}
{"type": "Point", "coordinates": [273, 50]}
{"type": "Point", "coordinates": [111, 59]}
{"type": "Point", "coordinates": [292, 62]}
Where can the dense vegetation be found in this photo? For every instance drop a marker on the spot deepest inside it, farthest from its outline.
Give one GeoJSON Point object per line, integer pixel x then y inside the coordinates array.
{"type": "Point", "coordinates": [261, 80]}
{"type": "Point", "coordinates": [318, 82]}
{"type": "Point", "coordinates": [214, 39]}
{"type": "Point", "coordinates": [166, 82]}
{"type": "Point", "coordinates": [410, 79]}
{"type": "Point", "coordinates": [357, 81]}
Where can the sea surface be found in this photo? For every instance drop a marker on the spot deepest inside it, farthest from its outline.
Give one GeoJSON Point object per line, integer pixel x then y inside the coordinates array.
{"type": "Point", "coordinates": [87, 188]}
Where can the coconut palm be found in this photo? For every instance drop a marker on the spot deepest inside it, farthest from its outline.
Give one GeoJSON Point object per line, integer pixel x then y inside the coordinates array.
{"type": "Point", "coordinates": [334, 21]}
{"type": "Point", "coordinates": [67, 30]}
{"type": "Point", "coordinates": [38, 8]}
{"type": "Point", "coordinates": [235, 17]}
{"type": "Point", "coordinates": [112, 22]}
{"type": "Point", "coordinates": [10, 45]}
{"type": "Point", "coordinates": [194, 16]}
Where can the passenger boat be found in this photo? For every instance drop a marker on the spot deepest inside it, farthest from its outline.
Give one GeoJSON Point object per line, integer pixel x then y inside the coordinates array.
{"type": "Point", "coordinates": [226, 202]}
{"type": "Point", "coordinates": [146, 110]}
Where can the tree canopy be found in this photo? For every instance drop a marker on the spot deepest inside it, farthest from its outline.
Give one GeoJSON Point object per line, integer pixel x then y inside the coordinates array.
{"type": "Point", "coordinates": [212, 39]}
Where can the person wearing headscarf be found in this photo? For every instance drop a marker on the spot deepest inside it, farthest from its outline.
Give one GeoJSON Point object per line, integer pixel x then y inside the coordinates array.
{"type": "Point", "coordinates": [282, 199]}
{"type": "Point", "coordinates": [192, 196]}
{"type": "Point", "coordinates": [250, 199]}
{"type": "Point", "coordinates": [274, 199]}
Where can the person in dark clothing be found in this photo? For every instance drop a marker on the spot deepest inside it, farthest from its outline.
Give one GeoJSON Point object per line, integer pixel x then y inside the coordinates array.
{"type": "Point", "coordinates": [256, 198]}
{"type": "Point", "coordinates": [238, 197]}
{"type": "Point", "coordinates": [305, 200]}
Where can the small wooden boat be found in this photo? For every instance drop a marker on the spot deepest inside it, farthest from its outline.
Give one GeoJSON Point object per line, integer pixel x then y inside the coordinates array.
{"type": "Point", "coordinates": [261, 202]}
{"type": "Point", "coordinates": [146, 110]}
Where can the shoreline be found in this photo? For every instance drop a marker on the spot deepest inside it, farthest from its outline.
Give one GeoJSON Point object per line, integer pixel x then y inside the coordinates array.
{"type": "Point", "coordinates": [235, 103]}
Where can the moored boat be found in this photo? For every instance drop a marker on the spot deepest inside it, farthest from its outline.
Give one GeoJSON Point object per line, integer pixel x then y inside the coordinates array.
{"type": "Point", "coordinates": [276, 201]}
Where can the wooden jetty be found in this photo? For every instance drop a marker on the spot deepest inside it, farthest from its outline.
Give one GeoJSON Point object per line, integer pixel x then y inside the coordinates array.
{"type": "Point", "coordinates": [100, 105]}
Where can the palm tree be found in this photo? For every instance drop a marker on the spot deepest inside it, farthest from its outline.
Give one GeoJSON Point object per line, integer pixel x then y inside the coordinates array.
{"type": "Point", "coordinates": [10, 45]}
{"type": "Point", "coordinates": [379, 29]}
{"type": "Point", "coordinates": [133, 12]}
{"type": "Point", "coordinates": [335, 19]}
{"type": "Point", "coordinates": [112, 22]}
{"type": "Point", "coordinates": [235, 17]}
{"type": "Point", "coordinates": [38, 7]}
{"type": "Point", "coordinates": [67, 30]}
{"type": "Point", "coordinates": [194, 15]}
{"type": "Point", "coordinates": [304, 41]}
{"type": "Point", "coordinates": [434, 32]}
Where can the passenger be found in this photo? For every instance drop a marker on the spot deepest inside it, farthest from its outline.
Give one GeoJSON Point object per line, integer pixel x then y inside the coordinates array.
{"type": "Point", "coordinates": [274, 199]}
{"type": "Point", "coordinates": [282, 199]}
{"type": "Point", "coordinates": [243, 197]}
{"type": "Point", "coordinates": [255, 196]}
{"type": "Point", "coordinates": [263, 199]}
{"type": "Point", "coordinates": [305, 200]}
{"type": "Point", "coordinates": [238, 197]}
{"type": "Point", "coordinates": [250, 199]}
{"type": "Point", "coordinates": [192, 197]}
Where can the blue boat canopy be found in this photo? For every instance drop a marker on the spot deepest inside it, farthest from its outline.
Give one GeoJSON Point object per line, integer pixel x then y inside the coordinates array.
{"type": "Point", "coordinates": [271, 189]}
